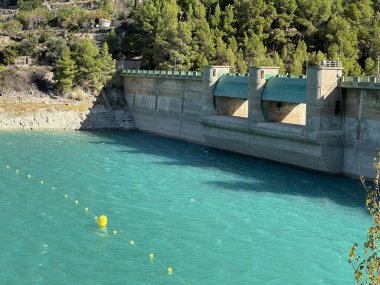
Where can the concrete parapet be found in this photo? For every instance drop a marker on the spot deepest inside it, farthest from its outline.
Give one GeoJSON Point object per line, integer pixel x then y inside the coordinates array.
{"type": "Point", "coordinates": [323, 100]}
{"type": "Point", "coordinates": [257, 81]}
{"type": "Point", "coordinates": [211, 75]}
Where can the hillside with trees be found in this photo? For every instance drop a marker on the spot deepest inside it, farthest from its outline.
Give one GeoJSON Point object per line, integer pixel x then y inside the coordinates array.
{"type": "Point", "coordinates": [239, 33]}
{"type": "Point", "coordinates": [187, 34]}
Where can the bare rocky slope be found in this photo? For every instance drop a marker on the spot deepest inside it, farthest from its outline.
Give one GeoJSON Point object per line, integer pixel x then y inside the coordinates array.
{"type": "Point", "coordinates": [28, 102]}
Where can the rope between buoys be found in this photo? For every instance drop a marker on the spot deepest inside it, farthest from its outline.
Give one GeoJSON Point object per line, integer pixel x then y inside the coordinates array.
{"type": "Point", "coordinates": [43, 183]}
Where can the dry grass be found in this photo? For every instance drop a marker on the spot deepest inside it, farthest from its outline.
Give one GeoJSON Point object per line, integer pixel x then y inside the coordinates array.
{"type": "Point", "coordinates": [21, 108]}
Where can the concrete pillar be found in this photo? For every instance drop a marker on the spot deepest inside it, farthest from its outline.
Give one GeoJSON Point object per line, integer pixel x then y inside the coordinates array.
{"type": "Point", "coordinates": [324, 100]}
{"type": "Point", "coordinates": [211, 75]}
{"type": "Point", "coordinates": [257, 81]}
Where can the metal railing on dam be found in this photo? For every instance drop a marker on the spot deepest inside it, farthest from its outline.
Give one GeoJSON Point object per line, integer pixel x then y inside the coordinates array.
{"type": "Point", "coordinates": [161, 73]}
{"type": "Point", "coordinates": [364, 82]}
{"type": "Point", "coordinates": [360, 82]}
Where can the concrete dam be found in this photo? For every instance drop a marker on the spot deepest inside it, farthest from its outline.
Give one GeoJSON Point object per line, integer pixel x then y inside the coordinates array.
{"type": "Point", "coordinates": [323, 122]}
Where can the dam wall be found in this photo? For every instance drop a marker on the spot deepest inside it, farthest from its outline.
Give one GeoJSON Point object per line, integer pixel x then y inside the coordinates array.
{"type": "Point", "coordinates": [170, 107]}
{"type": "Point", "coordinates": [361, 129]}
{"type": "Point", "coordinates": [320, 126]}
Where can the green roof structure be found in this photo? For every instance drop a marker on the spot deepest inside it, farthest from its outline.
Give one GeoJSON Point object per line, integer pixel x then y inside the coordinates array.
{"type": "Point", "coordinates": [289, 90]}
{"type": "Point", "coordinates": [232, 86]}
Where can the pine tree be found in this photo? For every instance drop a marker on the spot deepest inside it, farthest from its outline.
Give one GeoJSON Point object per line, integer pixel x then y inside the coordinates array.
{"type": "Point", "coordinates": [342, 44]}
{"type": "Point", "coordinates": [298, 59]}
{"type": "Point", "coordinates": [107, 67]}
{"type": "Point", "coordinates": [86, 58]}
{"type": "Point", "coordinates": [166, 40]}
{"type": "Point", "coordinates": [202, 43]}
{"type": "Point", "coordinates": [370, 67]}
{"type": "Point", "coordinates": [255, 50]}
{"type": "Point", "coordinates": [65, 72]}
{"type": "Point", "coordinates": [113, 42]}
{"type": "Point", "coordinates": [240, 62]}
{"type": "Point", "coordinates": [277, 61]}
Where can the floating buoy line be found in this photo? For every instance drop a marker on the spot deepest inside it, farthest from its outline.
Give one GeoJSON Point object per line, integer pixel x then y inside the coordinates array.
{"type": "Point", "coordinates": [102, 222]}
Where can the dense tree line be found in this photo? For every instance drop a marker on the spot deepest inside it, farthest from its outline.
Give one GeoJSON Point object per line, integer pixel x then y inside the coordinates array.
{"type": "Point", "coordinates": [82, 64]}
{"type": "Point", "coordinates": [186, 34]}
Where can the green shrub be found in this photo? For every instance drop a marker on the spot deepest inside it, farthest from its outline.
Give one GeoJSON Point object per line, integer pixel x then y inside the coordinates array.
{"type": "Point", "coordinates": [28, 46]}
{"type": "Point", "coordinates": [9, 28]}
{"type": "Point", "coordinates": [8, 55]}
{"type": "Point", "coordinates": [55, 48]}
{"type": "Point", "coordinates": [367, 268]}
{"type": "Point", "coordinates": [35, 18]}
{"type": "Point", "coordinates": [94, 68]}
{"type": "Point", "coordinates": [28, 5]}
{"type": "Point", "coordinates": [73, 18]}
{"type": "Point", "coordinates": [107, 6]}
{"type": "Point", "coordinates": [65, 72]}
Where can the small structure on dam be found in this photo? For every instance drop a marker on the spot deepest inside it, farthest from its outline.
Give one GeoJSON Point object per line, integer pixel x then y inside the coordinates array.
{"type": "Point", "coordinates": [324, 121]}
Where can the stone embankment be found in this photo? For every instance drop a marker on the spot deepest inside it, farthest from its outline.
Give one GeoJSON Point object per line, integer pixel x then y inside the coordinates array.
{"type": "Point", "coordinates": [62, 114]}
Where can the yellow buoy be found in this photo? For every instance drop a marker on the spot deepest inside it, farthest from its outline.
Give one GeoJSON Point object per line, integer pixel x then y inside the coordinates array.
{"type": "Point", "coordinates": [132, 242]}
{"type": "Point", "coordinates": [151, 256]}
{"type": "Point", "coordinates": [86, 209]}
{"type": "Point", "coordinates": [115, 232]}
{"type": "Point", "coordinates": [170, 271]}
{"type": "Point", "coordinates": [102, 221]}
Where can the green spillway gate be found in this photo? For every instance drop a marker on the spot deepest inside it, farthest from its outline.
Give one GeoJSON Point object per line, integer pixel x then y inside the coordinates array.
{"type": "Point", "coordinates": [232, 86]}
{"type": "Point", "coordinates": [289, 90]}
{"type": "Point", "coordinates": [277, 89]}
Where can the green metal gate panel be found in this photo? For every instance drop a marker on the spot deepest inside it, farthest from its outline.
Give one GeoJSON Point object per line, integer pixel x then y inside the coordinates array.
{"type": "Point", "coordinates": [289, 90]}
{"type": "Point", "coordinates": [232, 86]}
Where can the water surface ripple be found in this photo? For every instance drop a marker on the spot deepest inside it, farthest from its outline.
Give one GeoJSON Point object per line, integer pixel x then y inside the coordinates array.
{"type": "Point", "coordinates": [215, 217]}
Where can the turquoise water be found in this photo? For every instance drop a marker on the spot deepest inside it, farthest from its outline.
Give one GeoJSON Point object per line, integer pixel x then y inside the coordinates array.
{"type": "Point", "coordinates": [214, 217]}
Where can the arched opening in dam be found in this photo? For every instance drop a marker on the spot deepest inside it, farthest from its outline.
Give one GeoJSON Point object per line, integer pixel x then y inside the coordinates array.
{"type": "Point", "coordinates": [231, 95]}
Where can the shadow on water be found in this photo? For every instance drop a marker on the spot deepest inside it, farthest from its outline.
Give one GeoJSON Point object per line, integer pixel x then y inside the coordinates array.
{"type": "Point", "coordinates": [249, 174]}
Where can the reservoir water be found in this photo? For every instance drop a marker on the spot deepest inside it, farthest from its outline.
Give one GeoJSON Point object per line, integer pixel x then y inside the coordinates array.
{"type": "Point", "coordinates": [213, 217]}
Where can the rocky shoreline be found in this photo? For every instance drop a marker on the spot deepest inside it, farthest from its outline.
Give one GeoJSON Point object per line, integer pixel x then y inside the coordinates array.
{"type": "Point", "coordinates": [61, 114]}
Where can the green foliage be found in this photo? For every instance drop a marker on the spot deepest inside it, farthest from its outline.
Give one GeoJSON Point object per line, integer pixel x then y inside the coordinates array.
{"type": "Point", "coordinates": [299, 57]}
{"type": "Point", "coordinates": [73, 18]}
{"type": "Point", "coordinates": [113, 41]}
{"type": "Point", "coordinates": [107, 67]}
{"type": "Point", "coordinates": [86, 57]}
{"type": "Point", "coordinates": [94, 69]}
{"type": "Point", "coordinates": [367, 268]}
{"type": "Point", "coordinates": [265, 31]}
{"type": "Point", "coordinates": [84, 67]}
{"type": "Point", "coordinates": [32, 19]}
{"type": "Point", "coordinates": [370, 67]}
{"type": "Point", "coordinates": [29, 46]}
{"type": "Point", "coordinates": [8, 55]}
{"type": "Point", "coordinates": [55, 48]}
{"type": "Point", "coordinates": [106, 5]}
{"type": "Point", "coordinates": [28, 5]}
{"type": "Point", "coordinates": [315, 58]}
{"type": "Point", "coordinates": [11, 28]}
{"type": "Point", "coordinates": [65, 72]}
